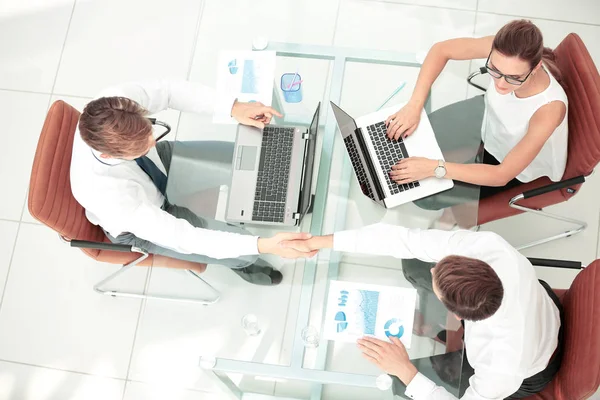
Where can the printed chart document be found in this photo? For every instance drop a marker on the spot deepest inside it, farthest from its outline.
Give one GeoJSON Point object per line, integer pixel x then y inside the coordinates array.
{"type": "Point", "coordinates": [355, 310]}
{"type": "Point", "coordinates": [245, 75]}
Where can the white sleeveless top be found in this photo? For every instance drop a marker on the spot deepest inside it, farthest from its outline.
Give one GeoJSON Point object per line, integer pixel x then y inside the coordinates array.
{"type": "Point", "coordinates": [505, 123]}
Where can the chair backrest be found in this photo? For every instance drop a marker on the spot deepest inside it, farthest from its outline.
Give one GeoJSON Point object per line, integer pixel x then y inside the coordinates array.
{"type": "Point", "coordinates": [582, 85]}
{"type": "Point", "coordinates": [50, 198]}
{"type": "Point", "coordinates": [579, 374]}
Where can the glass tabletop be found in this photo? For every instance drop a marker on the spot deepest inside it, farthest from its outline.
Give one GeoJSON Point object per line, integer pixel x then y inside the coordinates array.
{"type": "Point", "coordinates": [270, 338]}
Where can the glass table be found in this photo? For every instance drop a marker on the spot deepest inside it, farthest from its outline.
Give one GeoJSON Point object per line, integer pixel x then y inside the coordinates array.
{"type": "Point", "coordinates": [273, 357]}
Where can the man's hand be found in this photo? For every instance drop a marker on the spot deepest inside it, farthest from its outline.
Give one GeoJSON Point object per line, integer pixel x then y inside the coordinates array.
{"type": "Point", "coordinates": [390, 357]}
{"type": "Point", "coordinates": [311, 244]}
{"type": "Point", "coordinates": [253, 114]}
{"type": "Point", "coordinates": [273, 245]}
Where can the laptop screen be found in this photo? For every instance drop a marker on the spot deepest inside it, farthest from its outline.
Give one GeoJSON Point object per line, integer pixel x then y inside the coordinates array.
{"type": "Point", "coordinates": [309, 163]}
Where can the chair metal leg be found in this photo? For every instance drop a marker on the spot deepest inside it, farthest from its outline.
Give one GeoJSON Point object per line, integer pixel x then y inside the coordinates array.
{"type": "Point", "coordinates": [581, 225]}
{"type": "Point", "coordinates": [115, 293]}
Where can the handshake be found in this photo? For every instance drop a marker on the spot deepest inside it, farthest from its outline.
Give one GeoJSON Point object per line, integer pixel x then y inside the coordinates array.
{"type": "Point", "coordinates": [294, 245]}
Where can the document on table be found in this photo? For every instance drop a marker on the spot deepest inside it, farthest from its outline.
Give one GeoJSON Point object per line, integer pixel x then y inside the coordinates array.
{"type": "Point", "coordinates": [245, 75]}
{"type": "Point", "coordinates": [355, 310]}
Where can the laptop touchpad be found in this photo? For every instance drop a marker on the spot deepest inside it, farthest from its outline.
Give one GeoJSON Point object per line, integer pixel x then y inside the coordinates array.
{"type": "Point", "coordinates": [246, 158]}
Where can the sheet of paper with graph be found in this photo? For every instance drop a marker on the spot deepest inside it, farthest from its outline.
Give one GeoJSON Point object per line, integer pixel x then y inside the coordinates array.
{"type": "Point", "coordinates": [358, 309]}
{"type": "Point", "coordinates": [243, 75]}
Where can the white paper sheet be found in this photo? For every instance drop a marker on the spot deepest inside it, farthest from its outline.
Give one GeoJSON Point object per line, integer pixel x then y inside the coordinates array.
{"type": "Point", "coordinates": [355, 310]}
{"type": "Point", "coordinates": [245, 75]}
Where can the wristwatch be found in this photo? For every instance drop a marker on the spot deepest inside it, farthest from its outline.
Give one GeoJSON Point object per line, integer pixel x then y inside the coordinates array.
{"type": "Point", "coordinates": [440, 170]}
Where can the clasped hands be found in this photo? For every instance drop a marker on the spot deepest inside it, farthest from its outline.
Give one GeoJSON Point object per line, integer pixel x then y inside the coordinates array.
{"type": "Point", "coordinates": [390, 357]}
{"type": "Point", "coordinates": [294, 245]}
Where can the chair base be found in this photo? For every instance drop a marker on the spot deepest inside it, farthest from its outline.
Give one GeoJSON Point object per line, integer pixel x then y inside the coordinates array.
{"type": "Point", "coordinates": [99, 287]}
{"type": "Point", "coordinates": [580, 225]}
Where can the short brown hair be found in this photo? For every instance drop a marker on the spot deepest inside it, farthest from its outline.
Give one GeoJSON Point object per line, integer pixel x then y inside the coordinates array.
{"type": "Point", "coordinates": [468, 287]}
{"type": "Point", "coordinates": [116, 126]}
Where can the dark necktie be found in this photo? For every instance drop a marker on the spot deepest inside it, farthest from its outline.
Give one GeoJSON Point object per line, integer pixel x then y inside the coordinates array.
{"type": "Point", "coordinates": [157, 176]}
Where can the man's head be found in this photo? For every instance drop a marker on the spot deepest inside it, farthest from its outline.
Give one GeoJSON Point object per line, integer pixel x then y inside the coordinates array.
{"type": "Point", "coordinates": [469, 288]}
{"type": "Point", "coordinates": [117, 127]}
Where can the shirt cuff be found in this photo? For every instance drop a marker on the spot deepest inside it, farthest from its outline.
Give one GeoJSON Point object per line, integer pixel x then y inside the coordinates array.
{"type": "Point", "coordinates": [345, 241]}
{"type": "Point", "coordinates": [248, 245]}
{"type": "Point", "coordinates": [420, 387]}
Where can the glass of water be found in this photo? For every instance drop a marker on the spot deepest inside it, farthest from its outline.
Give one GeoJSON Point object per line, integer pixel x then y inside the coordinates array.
{"type": "Point", "coordinates": [250, 325]}
{"type": "Point", "coordinates": [310, 336]}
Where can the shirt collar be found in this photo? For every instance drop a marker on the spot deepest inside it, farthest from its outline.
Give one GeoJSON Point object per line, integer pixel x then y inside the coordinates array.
{"type": "Point", "coordinates": [105, 161]}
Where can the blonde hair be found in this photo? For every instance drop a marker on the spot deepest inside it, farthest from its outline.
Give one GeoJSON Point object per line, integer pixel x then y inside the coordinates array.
{"type": "Point", "coordinates": [115, 126]}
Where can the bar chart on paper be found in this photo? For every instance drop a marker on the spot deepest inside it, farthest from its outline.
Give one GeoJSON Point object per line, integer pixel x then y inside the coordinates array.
{"type": "Point", "coordinates": [356, 309]}
{"type": "Point", "coordinates": [243, 75]}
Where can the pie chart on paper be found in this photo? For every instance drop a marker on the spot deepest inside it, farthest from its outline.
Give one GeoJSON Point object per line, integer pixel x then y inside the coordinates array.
{"type": "Point", "coordinates": [394, 328]}
{"type": "Point", "coordinates": [341, 325]}
{"type": "Point", "coordinates": [356, 309]}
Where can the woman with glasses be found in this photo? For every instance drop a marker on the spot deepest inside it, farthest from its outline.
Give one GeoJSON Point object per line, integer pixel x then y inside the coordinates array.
{"type": "Point", "coordinates": [524, 123]}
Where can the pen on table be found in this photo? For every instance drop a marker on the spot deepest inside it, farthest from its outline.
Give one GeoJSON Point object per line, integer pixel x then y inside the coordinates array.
{"type": "Point", "coordinates": [293, 80]}
{"type": "Point", "coordinates": [395, 92]}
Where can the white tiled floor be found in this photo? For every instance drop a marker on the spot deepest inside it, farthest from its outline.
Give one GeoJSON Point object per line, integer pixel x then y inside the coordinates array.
{"type": "Point", "coordinates": [29, 382]}
{"type": "Point", "coordinates": [58, 339]}
{"type": "Point", "coordinates": [32, 35]}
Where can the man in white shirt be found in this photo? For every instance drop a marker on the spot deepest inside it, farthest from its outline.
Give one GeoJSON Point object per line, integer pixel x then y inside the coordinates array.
{"type": "Point", "coordinates": [512, 321]}
{"type": "Point", "coordinates": [119, 175]}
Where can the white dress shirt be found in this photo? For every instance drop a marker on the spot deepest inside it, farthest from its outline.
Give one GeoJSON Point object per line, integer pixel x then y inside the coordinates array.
{"type": "Point", "coordinates": [510, 346]}
{"type": "Point", "coordinates": [120, 197]}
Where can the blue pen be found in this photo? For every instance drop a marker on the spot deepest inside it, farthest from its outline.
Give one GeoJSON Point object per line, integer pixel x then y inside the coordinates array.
{"type": "Point", "coordinates": [392, 95]}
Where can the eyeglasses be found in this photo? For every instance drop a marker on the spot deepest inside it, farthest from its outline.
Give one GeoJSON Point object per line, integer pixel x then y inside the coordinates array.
{"type": "Point", "coordinates": [509, 79]}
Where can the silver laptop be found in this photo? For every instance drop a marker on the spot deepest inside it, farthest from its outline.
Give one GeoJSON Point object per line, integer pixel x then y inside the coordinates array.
{"type": "Point", "coordinates": [272, 174]}
{"type": "Point", "coordinates": [372, 155]}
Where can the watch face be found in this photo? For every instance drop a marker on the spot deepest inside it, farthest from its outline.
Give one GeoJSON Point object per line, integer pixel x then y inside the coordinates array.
{"type": "Point", "coordinates": [440, 172]}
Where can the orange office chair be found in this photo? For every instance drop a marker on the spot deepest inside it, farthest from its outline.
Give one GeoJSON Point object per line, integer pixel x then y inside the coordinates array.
{"type": "Point", "coordinates": [579, 374]}
{"type": "Point", "coordinates": [52, 203]}
{"type": "Point", "coordinates": [582, 83]}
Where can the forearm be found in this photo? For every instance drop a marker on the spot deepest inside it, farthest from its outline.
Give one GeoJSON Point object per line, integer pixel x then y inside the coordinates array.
{"type": "Point", "coordinates": [477, 174]}
{"type": "Point", "coordinates": [189, 96]}
{"type": "Point", "coordinates": [321, 242]}
{"type": "Point", "coordinates": [159, 95]}
{"type": "Point", "coordinates": [430, 70]}
{"type": "Point", "coordinates": [396, 241]}
{"type": "Point", "coordinates": [161, 228]}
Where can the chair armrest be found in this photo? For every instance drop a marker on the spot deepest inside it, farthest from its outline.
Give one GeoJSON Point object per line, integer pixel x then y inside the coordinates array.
{"type": "Point", "coordinates": [154, 121]}
{"type": "Point", "coordinates": [549, 188]}
{"type": "Point", "coordinates": [480, 71]}
{"type": "Point", "coordinates": [548, 262]}
{"type": "Point", "coordinates": [125, 248]}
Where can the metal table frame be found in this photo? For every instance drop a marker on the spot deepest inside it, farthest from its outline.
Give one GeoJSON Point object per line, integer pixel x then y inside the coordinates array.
{"type": "Point", "coordinates": [219, 367]}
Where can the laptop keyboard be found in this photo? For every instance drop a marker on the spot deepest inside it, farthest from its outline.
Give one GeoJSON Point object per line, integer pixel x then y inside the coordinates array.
{"type": "Point", "coordinates": [358, 167]}
{"type": "Point", "coordinates": [273, 174]}
{"type": "Point", "coordinates": [389, 152]}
